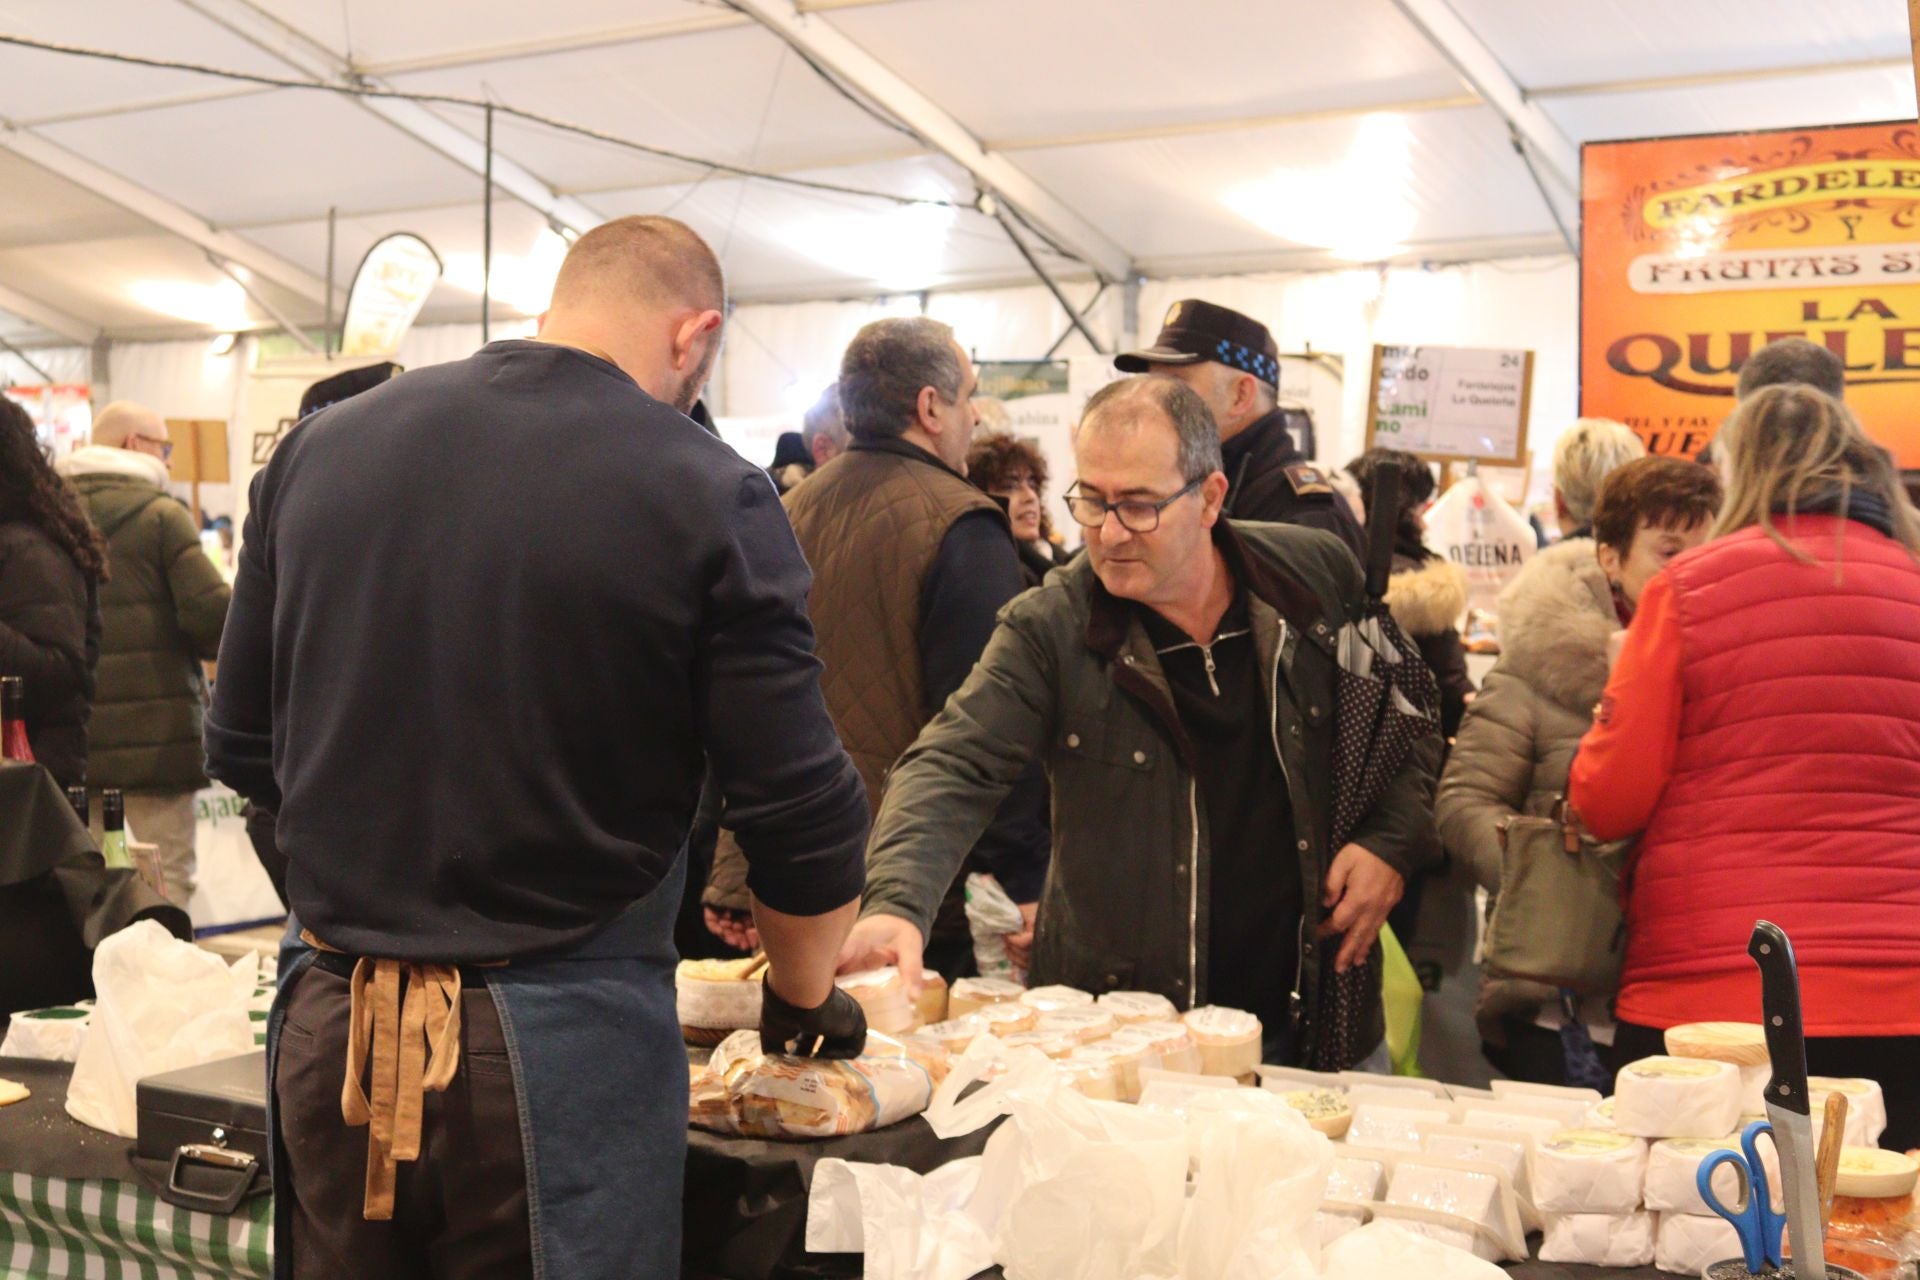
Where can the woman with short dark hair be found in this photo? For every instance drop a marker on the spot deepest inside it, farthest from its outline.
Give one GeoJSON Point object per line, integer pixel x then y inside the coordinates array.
{"type": "Point", "coordinates": [1760, 734]}
{"type": "Point", "coordinates": [1516, 745]}
{"type": "Point", "coordinates": [51, 562]}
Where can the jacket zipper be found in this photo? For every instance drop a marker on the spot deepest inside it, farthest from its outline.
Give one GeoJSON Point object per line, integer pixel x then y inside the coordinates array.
{"type": "Point", "coordinates": [1294, 1002]}
{"type": "Point", "coordinates": [1193, 895]}
{"type": "Point", "coordinates": [1206, 653]}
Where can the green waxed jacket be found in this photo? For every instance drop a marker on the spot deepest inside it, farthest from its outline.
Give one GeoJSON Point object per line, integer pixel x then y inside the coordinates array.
{"type": "Point", "coordinates": [1071, 676]}
{"type": "Point", "coordinates": [162, 609]}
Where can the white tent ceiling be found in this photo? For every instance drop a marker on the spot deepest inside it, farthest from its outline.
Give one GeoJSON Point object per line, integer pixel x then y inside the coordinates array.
{"type": "Point", "coordinates": [1210, 136]}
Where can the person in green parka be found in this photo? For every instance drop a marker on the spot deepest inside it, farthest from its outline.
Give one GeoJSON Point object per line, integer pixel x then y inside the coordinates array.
{"type": "Point", "coordinates": [162, 610]}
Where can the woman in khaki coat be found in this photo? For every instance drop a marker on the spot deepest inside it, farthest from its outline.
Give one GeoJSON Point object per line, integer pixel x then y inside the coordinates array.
{"type": "Point", "coordinates": [1516, 744]}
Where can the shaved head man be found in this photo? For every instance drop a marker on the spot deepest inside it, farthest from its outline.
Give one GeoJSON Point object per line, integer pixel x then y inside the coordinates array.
{"type": "Point", "coordinates": [496, 620]}
{"type": "Point", "coordinates": [647, 294]}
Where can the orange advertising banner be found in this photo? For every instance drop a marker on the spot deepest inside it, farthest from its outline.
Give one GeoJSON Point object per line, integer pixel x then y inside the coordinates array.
{"type": "Point", "coordinates": [1696, 252]}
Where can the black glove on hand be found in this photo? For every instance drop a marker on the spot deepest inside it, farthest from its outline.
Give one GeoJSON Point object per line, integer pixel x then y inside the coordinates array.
{"type": "Point", "coordinates": [836, 1029]}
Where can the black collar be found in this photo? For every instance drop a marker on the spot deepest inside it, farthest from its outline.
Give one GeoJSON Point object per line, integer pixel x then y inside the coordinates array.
{"type": "Point", "coordinates": [1265, 439]}
{"type": "Point", "coordinates": [1272, 583]}
{"type": "Point", "coordinates": [901, 447]}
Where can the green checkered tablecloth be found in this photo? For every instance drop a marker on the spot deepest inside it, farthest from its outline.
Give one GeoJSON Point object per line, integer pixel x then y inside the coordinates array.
{"type": "Point", "coordinates": [100, 1230]}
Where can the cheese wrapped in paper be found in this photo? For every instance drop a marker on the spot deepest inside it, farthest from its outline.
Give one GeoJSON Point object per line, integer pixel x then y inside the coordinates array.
{"type": "Point", "coordinates": [1673, 1168]}
{"type": "Point", "coordinates": [1687, 1245]}
{"type": "Point", "coordinates": [1666, 1097]}
{"type": "Point", "coordinates": [1866, 1106]}
{"type": "Point", "coordinates": [1599, 1239]}
{"type": "Point", "coordinates": [955, 1034]}
{"type": "Point", "coordinates": [1094, 1075]}
{"type": "Point", "coordinates": [1126, 1057]}
{"type": "Point", "coordinates": [1588, 1171]}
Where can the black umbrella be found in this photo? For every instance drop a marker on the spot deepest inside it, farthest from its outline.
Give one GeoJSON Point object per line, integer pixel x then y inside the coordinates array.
{"type": "Point", "coordinates": [1385, 701]}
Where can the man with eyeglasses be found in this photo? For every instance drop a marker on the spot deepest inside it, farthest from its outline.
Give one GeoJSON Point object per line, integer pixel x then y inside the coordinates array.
{"type": "Point", "coordinates": [1231, 362]}
{"type": "Point", "coordinates": [1178, 682]}
{"type": "Point", "coordinates": [162, 609]}
{"type": "Point", "coordinates": [911, 563]}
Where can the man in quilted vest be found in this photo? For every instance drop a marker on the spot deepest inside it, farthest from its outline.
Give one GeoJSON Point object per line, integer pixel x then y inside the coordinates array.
{"type": "Point", "coordinates": [911, 564]}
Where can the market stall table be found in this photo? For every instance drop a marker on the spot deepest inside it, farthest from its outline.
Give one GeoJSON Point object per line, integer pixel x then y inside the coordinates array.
{"type": "Point", "coordinates": [71, 1205]}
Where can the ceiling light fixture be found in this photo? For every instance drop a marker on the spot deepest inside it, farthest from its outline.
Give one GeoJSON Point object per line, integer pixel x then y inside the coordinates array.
{"type": "Point", "coordinates": [1357, 209]}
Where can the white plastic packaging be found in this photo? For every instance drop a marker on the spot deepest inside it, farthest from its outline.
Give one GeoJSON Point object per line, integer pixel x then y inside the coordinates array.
{"type": "Point", "coordinates": [1687, 1245]}
{"type": "Point", "coordinates": [1053, 999]}
{"type": "Point", "coordinates": [1395, 1125]}
{"type": "Point", "coordinates": [970, 995]}
{"type": "Point", "coordinates": [1130, 1007]}
{"type": "Point", "coordinates": [1228, 1039]}
{"type": "Point", "coordinates": [1600, 1116]}
{"type": "Point", "coordinates": [882, 994]}
{"type": "Point", "coordinates": [161, 1004]}
{"type": "Point", "coordinates": [1588, 1171]}
{"type": "Point", "coordinates": [1332, 1222]}
{"type": "Point", "coordinates": [1356, 1179]}
{"type": "Point", "coordinates": [991, 916]}
{"type": "Point", "coordinates": [1599, 1239]}
{"type": "Point", "coordinates": [1666, 1097]}
{"type": "Point", "coordinates": [1084, 1025]}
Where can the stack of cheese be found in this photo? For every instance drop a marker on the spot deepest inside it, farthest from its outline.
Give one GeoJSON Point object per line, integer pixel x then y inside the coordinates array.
{"type": "Point", "coordinates": [716, 998]}
{"type": "Point", "coordinates": [882, 994]}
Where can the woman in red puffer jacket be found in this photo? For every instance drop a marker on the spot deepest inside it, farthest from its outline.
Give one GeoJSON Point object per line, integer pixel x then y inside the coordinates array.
{"type": "Point", "coordinates": [1761, 730]}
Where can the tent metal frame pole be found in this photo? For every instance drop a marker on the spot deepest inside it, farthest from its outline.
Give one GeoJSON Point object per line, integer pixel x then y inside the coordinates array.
{"type": "Point", "coordinates": [28, 361]}
{"type": "Point", "coordinates": [1072, 325]}
{"type": "Point", "coordinates": [225, 268]}
{"type": "Point", "coordinates": [1073, 316]}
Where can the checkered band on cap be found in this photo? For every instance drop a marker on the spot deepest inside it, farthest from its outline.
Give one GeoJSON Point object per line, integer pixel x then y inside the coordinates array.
{"type": "Point", "coordinates": [1246, 359]}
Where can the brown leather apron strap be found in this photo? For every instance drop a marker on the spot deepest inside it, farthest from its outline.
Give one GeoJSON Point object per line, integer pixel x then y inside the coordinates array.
{"type": "Point", "coordinates": [404, 1039]}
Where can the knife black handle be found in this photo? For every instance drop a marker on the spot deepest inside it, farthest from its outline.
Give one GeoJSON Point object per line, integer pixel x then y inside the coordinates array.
{"type": "Point", "coordinates": [1780, 1007]}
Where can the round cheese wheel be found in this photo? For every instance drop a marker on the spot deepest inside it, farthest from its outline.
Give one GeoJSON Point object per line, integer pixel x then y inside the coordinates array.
{"type": "Point", "coordinates": [1006, 1019]}
{"type": "Point", "coordinates": [970, 995]}
{"type": "Point", "coordinates": [1053, 999]}
{"type": "Point", "coordinates": [1084, 1025]}
{"type": "Point", "coordinates": [1744, 1044]}
{"type": "Point", "coordinates": [1325, 1110]}
{"type": "Point", "coordinates": [1872, 1174]}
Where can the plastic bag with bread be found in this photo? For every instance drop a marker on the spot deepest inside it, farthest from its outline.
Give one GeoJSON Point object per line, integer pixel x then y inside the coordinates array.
{"type": "Point", "coordinates": [744, 1091]}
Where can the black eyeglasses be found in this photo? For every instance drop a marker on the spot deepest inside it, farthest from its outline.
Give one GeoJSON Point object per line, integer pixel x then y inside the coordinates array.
{"type": "Point", "coordinates": [1136, 515]}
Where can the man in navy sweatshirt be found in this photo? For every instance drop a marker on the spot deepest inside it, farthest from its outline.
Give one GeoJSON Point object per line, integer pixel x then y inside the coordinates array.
{"type": "Point", "coordinates": [494, 622]}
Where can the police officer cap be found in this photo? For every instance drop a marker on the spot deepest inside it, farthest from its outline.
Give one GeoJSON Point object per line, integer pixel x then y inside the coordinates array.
{"type": "Point", "coordinates": [1194, 331]}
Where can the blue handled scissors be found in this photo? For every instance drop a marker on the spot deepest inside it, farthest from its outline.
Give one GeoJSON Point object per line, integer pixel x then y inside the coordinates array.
{"type": "Point", "coordinates": [1759, 1224]}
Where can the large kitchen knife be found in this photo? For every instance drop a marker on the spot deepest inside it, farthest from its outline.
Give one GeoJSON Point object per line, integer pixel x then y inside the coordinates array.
{"type": "Point", "coordinates": [1789, 1105]}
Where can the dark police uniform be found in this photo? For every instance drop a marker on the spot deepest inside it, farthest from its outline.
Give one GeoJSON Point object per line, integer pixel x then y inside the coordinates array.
{"type": "Point", "coordinates": [1268, 477]}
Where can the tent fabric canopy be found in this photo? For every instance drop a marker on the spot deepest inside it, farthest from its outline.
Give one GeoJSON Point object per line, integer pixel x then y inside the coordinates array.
{"type": "Point", "coordinates": [1214, 137]}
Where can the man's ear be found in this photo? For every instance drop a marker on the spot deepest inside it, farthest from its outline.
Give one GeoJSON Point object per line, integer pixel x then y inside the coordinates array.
{"type": "Point", "coordinates": [688, 331]}
{"type": "Point", "coordinates": [927, 411]}
{"type": "Point", "coordinates": [1213, 497]}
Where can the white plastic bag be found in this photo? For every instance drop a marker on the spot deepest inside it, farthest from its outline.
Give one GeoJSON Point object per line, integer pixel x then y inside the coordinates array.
{"type": "Point", "coordinates": [991, 916]}
{"type": "Point", "coordinates": [1473, 527]}
{"type": "Point", "coordinates": [160, 1004]}
{"type": "Point", "coordinates": [909, 1227]}
{"type": "Point", "coordinates": [1260, 1169]}
{"type": "Point", "coordinates": [1382, 1249]}
{"type": "Point", "coordinates": [1098, 1189]}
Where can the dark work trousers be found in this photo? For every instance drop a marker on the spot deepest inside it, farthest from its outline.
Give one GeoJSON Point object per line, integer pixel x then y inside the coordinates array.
{"type": "Point", "coordinates": [460, 1210]}
{"type": "Point", "coordinates": [1886, 1059]}
{"type": "Point", "coordinates": [1532, 1053]}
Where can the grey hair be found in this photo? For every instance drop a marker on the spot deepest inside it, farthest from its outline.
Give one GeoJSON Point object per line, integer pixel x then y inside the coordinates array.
{"type": "Point", "coordinates": [1791, 360]}
{"type": "Point", "coordinates": [887, 365]}
{"type": "Point", "coordinates": [1199, 437]}
{"type": "Point", "coordinates": [824, 419]}
{"type": "Point", "coordinates": [1584, 456]}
